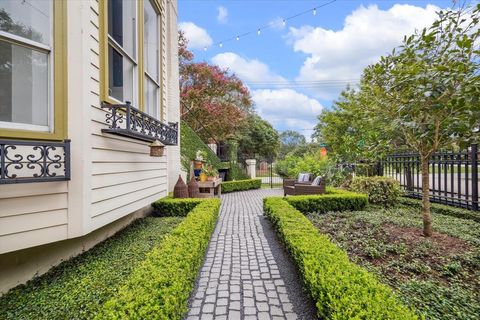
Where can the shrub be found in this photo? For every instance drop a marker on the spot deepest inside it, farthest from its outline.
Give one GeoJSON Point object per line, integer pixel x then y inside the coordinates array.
{"type": "Point", "coordinates": [159, 288]}
{"type": "Point", "coordinates": [443, 209]}
{"type": "Point", "coordinates": [380, 190]}
{"type": "Point", "coordinates": [333, 200]}
{"type": "Point", "coordinates": [240, 185]}
{"type": "Point", "coordinates": [169, 207]}
{"type": "Point", "coordinates": [339, 288]}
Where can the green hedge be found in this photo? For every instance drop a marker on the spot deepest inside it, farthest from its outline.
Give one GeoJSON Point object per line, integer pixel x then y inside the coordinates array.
{"type": "Point", "coordinates": [443, 209]}
{"type": "Point", "coordinates": [240, 185]}
{"type": "Point", "coordinates": [380, 190]}
{"type": "Point", "coordinates": [190, 144]}
{"type": "Point", "coordinates": [159, 288]}
{"type": "Point", "coordinates": [333, 200]}
{"type": "Point", "coordinates": [339, 288]}
{"type": "Point", "coordinates": [169, 207]}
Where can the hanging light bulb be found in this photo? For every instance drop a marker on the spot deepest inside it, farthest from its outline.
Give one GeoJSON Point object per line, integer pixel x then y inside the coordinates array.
{"type": "Point", "coordinates": [238, 38]}
{"type": "Point", "coordinates": [220, 45]}
{"type": "Point", "coordinates": [258, 31]}
{"type": "Point", "coordinates": [284, 23]}
{"type": "Point", "coordinates": [204, 48]}
{"type": "Point", "coordinates": [314, 11]}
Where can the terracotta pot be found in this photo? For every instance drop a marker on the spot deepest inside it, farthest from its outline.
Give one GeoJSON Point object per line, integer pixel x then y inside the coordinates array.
{"type": "Point", "coordinates": [197, 164]}
{"type": "Point", "coordinates": [203, 177]}
{"type": "Point", "coordinates": [211, 178]}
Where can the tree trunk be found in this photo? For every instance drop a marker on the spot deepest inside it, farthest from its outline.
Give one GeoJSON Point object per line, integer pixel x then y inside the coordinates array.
{"type": "Point", "coordinates": [427, 217]}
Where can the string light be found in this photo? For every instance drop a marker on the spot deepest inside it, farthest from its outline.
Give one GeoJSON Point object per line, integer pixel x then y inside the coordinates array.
{"type": "Point", "coordinates": [204, 48]}
{"type": "Point", "coordinates": [273, 24]}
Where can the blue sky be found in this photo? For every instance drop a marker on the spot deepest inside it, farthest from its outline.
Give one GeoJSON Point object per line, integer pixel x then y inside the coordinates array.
{"type": "Point", "coordinates": [297, 69]}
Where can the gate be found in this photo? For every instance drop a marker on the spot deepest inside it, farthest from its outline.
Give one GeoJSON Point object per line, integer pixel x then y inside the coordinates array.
{"type": "Point", "coordinates": [265, 170]}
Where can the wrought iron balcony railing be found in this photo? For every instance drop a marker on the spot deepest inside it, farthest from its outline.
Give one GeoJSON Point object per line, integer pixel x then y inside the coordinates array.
{"type": "Point", "coordinates": [128, 121]}
{"type": "Point", "coordinates": [34, 161]}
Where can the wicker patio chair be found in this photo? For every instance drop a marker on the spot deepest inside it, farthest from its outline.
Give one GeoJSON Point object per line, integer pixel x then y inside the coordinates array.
{"type": "Point", "coordinates": [292, 182]}
{"type": "Point", "coordinates": [299, 188]}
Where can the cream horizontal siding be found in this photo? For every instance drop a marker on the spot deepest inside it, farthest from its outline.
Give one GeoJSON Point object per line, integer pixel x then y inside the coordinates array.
{"type": "Point", "coordinates": [124, 176]}
{"type": "Point", "coordinates": [32, 214]}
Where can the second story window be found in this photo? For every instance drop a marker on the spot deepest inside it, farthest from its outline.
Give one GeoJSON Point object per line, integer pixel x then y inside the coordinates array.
{"type": "Point", "coordinates": [151, 49]}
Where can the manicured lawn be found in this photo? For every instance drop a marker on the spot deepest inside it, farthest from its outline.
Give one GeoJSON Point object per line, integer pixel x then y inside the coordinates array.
{"type": "Point", "coordinates": [78, 288]}
{"type": "Point", "coordinates": [439, 277]}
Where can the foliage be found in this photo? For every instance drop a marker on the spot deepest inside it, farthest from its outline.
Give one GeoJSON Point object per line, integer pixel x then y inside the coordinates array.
{"type": "Point", "coordinates": [190, 144]}
{"type": "Point", "coordinates": [443, 209]}
{"type": "Point", "coordinates": [424, 95]}
{"type": "Point", "coordinates": [313, 163]}
{"type": "Point", "coordinates": [289, 141]}
{"type": "Point", "coordinates": [171, 207]}
{"type": "Point", "coordinates": [438, 276]}
{"type": "Point", "coordinates": [210, 171]}
{"type": "Point", "coordinates": [258, 139]}
{"type": "Point", "coordinates": [332, 200]}
{"type": "Point", "coordinates": [241, 185]}
{"type": "Point", "coordinates": [339, 288]}
{"type": "Point", "coordinates": [77, 288]}
{"type": "Point", "coordinates": [214, 102]}
{"type": "Point", "coordinates": [380, 190]}
{"type": "Point", "coordinates": [159, 288]}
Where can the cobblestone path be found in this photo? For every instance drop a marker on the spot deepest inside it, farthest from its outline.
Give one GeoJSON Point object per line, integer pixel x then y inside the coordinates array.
{"type": "Point", "coordinates": [246, 272]}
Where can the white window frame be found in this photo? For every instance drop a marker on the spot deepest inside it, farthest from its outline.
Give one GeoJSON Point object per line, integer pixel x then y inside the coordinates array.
{"type": "Point", "coordinates": [157, 110]}
{"type": "Point", "coordinates": [43, 48]}
{"type": "Point", "coordinates": [116, 46]}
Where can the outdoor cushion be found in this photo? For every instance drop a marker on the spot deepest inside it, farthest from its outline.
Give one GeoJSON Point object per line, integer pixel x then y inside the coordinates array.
{"type": "Point", "coordinates": [317, 181]}
{"type": "Point", "coordinates": [301, 177]}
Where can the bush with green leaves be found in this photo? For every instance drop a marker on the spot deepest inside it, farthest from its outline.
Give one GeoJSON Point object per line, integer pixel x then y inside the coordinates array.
{"type": "Point", "coordinates": [159, 288]}
{"type": "Point", "coordinates": [78, 288]}
{"type": "Point", "coordinates": [339, 288]}
{"type": "Point", "coordinates": [332, 200]}
{"type": "Point", "coordinates": [170, 207]}
{"type": "Point", "coordinates": [380, 190]}
{"type": "Point", "coordinates": [241, 185]}
{"type": "Point", "coordinates": [291, 166]}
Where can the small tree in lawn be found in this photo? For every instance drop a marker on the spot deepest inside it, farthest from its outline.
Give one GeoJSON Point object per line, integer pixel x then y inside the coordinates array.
{"type": "Point", "coordinates": [429, 89]}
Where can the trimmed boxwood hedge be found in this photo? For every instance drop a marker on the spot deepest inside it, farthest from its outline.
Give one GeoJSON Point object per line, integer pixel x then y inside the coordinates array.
{"type": "Point", "coordinates": [443, 209]}
{"type": "Point", "coordinates": [339, 288]}
{"type": "Point", "coordinates": [380, 190]}
{"type": "Point", "coordinates": [332, 200]}
{"type": "Point", "coordinates": [170, 207]}
{"type": "Point", "coordinates": [240, 185]}
{"type": "Point", "coordinates": [159, 288]}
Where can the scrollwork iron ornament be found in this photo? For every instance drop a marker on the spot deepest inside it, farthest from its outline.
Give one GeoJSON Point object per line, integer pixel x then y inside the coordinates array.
{"type": "Point", "coordinates": [34, 161]}
{"type": "Point", "coordinates": [125, 120]}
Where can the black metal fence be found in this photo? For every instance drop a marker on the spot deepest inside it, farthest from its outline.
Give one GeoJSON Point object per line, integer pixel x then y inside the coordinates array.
{"type": "Point", "coordinates": [453, 176]}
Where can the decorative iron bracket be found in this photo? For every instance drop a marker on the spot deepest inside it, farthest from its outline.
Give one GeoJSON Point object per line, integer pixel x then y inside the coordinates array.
{"type": "Point", "coordinates": [34, 161]}
{"type": "Point", "coordinates": [125, 120]}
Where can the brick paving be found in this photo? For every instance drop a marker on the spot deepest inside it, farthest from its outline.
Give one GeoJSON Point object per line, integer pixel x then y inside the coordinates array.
{"type": "Point", "coordinates": [240, 278]}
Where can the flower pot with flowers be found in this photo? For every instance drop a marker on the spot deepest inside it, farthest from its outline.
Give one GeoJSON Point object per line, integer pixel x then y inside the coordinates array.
{"type": "Point", "coordinates": [210, 172]}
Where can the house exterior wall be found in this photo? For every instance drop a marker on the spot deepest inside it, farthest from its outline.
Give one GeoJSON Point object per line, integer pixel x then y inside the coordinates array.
{"type": "Point", "coordinates": [113, 178]}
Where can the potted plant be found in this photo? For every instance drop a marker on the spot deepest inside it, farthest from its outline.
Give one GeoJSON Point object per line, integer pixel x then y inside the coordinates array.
{"type": "Point", "coordinates": [210, 172]}
{"type": "Point", "coordinates": [200, 157]}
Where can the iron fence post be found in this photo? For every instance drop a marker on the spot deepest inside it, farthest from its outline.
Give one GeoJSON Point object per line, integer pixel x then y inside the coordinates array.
{"type": "Point", "coordinates": [474, 161]}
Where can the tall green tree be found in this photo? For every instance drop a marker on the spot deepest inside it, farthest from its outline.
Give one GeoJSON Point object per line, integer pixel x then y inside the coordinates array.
{"type": "Point", "coordinates": [258, 139]}
{"type": "Point", "coordinates": [290, 140]}
{"type": "Point", "coordinates": [429, 89]}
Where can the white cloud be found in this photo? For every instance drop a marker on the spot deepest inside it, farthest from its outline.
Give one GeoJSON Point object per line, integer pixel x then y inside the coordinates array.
{"type": "Point", "coordinates": [222, 15]}
{"type": "Point", "coordinates": [368, 33]}
{"type": "Point", "coordinates": [248, 70]}
{"type": "Point", "coordinates": [287, 109]}
{"type": "Point", "coordinates": [197, 37]}
{"type": "Point", "coordinates": [283, 108]}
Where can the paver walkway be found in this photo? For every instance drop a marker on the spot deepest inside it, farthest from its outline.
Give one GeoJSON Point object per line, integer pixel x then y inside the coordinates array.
{"type": "Point", "coordinates": [247, 273]}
